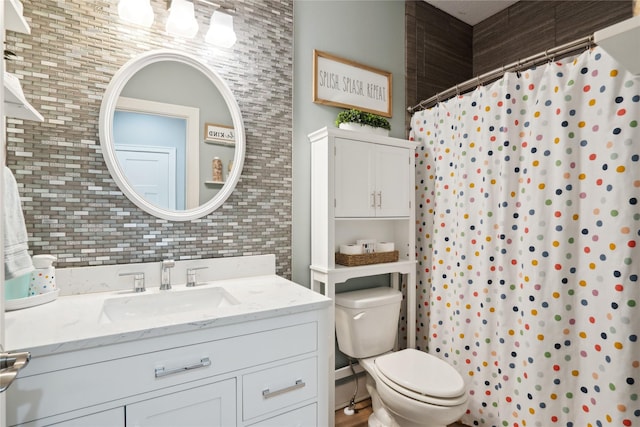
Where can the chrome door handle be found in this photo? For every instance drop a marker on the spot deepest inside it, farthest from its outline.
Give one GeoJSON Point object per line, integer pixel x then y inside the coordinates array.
{"type": "Point", "coordinates": [266, 393]}
{"type": "Point", "coordinates": [10, 364]}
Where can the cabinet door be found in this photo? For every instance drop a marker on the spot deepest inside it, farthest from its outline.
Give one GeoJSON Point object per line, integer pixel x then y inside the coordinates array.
{"type": "Point", "coordinates": [354, 179]}
{"type": "Point", "coordinates": [210, 405]}
{"type": "Point", "coordinates": [371, 180]}
{"type": "Point", "coordinates": [392, 181]}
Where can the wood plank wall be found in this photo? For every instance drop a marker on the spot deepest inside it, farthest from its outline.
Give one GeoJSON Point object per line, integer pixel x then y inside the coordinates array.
{"type": "Point", "coordinates": [439, 51]}
{"type": "Point", "coordinates": [529, 27]}
{"type": "Point", "coordinates": [443, 51]}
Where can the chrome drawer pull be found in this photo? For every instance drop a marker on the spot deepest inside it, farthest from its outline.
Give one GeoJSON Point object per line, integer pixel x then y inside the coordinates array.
{"type": "Point", "coordinates": [266, 393]}
{"type": "Point", "coordinates": [161, 372]}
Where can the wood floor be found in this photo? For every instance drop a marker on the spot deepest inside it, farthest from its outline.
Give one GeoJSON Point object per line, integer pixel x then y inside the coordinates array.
{"type": "Point", "coordinates": [359, 419]}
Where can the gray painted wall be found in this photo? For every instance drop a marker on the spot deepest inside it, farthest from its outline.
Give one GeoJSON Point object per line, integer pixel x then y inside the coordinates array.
{"type": "Point", "coordinates": [368, 32]}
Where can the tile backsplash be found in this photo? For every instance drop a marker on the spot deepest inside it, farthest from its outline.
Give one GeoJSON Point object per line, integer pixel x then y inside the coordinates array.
{"type": "Point", "coordinates": [72, 206]}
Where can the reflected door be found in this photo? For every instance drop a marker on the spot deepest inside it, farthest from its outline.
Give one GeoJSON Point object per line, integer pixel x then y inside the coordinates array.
{"type": "Point", "coordinates": [151, 173]}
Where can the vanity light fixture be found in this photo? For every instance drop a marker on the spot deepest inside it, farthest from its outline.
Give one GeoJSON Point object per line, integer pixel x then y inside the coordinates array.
{"type": "Point", "coordinates": [221, 30]}
{"type": "Point", "coordinates": [136, 11]}
{"type": "Point", "coordinates": [182, 21]}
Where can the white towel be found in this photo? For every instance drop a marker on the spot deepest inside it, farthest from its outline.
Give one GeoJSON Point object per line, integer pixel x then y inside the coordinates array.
{"type": "Point", "coordinates": [17, 261]}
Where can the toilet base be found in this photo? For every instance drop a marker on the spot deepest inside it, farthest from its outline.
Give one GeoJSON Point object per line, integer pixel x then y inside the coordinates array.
{"type": "Point", "coordinates": [380, 417]}
{"type": "Point", "coordinates": [374, 421]}
{"type": "Point", "coordinates": [385, 416]}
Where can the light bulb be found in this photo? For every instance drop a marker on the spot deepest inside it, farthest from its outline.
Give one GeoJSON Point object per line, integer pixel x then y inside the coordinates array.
{"type": "Point", "coordinates": [221, 30]}
{"type": "Point", "coordinates": [182, 21]}
{"type": "Point", "coordinates": [136, 11]}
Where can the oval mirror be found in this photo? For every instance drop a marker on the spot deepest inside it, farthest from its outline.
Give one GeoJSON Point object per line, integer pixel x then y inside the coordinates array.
{"type": "Point", "coordinates": [172, 135]}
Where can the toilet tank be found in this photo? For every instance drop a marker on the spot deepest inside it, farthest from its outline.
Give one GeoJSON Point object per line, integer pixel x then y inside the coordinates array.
{"type": "Point", "coordinates": [367, 321]}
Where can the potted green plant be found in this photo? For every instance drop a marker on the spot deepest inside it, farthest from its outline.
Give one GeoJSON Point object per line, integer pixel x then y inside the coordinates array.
{"type": "Point", "coordinates": [362, 121]}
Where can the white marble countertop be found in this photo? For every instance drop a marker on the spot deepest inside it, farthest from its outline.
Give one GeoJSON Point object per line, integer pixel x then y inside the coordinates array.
{"type": "Point", "coordinates": [77, 321]}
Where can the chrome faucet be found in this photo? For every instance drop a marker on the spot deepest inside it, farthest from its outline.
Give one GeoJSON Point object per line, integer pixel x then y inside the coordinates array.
{"type": "Point", "coordinates": [165, 283]}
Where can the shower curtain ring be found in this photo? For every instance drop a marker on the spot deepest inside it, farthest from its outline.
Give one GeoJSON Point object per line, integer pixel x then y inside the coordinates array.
{"type": "Point", "coordinates": [457, 91]}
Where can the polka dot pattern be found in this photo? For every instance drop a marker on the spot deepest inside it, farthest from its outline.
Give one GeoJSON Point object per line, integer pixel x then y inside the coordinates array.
{"type": "Point", "coordinates": [527, 226]}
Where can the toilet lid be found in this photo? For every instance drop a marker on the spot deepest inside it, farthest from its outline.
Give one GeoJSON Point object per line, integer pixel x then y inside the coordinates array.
{"type": "Point", "coordinates": [421, 373]}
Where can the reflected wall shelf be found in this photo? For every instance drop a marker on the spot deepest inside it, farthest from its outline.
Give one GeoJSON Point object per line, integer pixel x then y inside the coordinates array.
{"type": "Point", "coordinates": [221, 143]}
{"type": "Point", "coordinates": [214, 183]}
{"type": "Point", "coordinates": [622, 42]}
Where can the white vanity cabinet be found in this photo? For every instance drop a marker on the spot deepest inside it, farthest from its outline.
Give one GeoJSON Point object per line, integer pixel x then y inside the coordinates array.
{"type": "Point", "coordinates": [266, 372]}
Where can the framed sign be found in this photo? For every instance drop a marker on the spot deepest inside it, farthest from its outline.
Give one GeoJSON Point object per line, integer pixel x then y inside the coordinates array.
{"type": "Point", "coordinates": [347, 84]}
{"type": "Point", "coordinates": [219, 133]}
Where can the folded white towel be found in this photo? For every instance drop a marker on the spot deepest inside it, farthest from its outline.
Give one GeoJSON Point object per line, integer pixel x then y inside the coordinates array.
{"type": "Point", "coordinates": [17, 261]}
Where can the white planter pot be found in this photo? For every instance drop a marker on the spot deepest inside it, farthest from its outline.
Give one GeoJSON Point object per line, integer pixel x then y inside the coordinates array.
{"type": "Point", "coordinates": [364, 128]}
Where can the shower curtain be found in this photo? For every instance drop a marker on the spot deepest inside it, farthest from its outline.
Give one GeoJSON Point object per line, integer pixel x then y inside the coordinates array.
{"type": "Point", "coordinates": [527, 230]}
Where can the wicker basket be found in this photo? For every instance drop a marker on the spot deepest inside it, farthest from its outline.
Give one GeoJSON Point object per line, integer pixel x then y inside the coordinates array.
{"type": "Point", "coordinates": [366, 259]}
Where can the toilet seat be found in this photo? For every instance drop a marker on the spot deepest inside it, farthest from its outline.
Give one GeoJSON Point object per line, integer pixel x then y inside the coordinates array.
{"type": "Point", "coordinates": [422, 377]}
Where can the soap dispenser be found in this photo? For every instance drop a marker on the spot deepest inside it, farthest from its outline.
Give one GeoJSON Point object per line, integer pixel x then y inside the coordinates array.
{"type": "Point", "coordinates": [43, 278]}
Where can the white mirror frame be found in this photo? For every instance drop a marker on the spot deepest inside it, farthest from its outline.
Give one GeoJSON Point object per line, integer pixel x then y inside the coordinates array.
{"type": "Point", "coordinates": [107, 110]}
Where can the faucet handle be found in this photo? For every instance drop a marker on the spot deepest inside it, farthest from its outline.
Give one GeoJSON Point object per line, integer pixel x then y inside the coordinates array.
{"type": "Point", "coordinates": [138, 280]}
{"type": "Point", "coordinates": [191, 275]}
{"type": "Point", "coordinates": [168, 263]}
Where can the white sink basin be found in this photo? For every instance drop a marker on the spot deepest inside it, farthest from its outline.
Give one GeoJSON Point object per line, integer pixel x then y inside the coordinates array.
{"type": "Point", "coordinates": [161, 303]}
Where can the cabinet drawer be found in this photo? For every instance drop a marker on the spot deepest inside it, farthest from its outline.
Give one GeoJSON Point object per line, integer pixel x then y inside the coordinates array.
{"type": "Point", "coordinates": [65, 390]}
{"type": "Point", "coordinates": [301, 417]}
{"type": "Point", "coordinates": [274, 388]}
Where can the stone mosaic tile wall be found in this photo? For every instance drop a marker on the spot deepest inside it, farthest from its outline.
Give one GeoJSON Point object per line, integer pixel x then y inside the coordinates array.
{"type": "Point", "coordinates": [72, 206]}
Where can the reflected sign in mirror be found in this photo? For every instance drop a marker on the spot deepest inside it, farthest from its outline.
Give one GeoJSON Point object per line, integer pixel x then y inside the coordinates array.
{"type": "Point", "coordinates": [153, 132]}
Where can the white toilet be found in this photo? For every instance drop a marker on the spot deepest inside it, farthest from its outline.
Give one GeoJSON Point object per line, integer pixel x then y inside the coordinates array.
{"type": "Point", "coordinates": [408, 388]}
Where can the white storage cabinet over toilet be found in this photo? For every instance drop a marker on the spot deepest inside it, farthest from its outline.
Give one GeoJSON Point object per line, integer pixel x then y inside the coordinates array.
{"type": "Point", "coordinates": [362, 186]}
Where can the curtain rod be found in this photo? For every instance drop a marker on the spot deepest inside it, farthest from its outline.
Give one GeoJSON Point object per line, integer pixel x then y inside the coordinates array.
{"type": "Point", "coordinates": [519, 65]}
